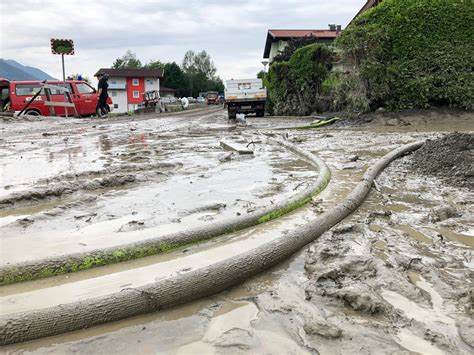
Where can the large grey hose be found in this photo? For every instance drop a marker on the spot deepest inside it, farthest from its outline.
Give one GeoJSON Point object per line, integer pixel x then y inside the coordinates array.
{"type": "Point", "coordinates": [186, 286]}
{"type": "Point", "coordinates": [61, 264]}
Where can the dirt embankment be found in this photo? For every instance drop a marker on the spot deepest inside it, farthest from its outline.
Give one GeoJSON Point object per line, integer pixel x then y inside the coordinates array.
{"type": "Point", "coordinates": [449, 158]}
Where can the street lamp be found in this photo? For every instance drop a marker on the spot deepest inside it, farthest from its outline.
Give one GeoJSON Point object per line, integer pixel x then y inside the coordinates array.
{"type": "Point", "coordinates": [264, 62]}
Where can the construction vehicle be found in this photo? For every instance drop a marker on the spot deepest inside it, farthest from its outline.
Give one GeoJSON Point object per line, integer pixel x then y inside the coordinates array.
{"type": "Point", "coordinates": [245, 96]}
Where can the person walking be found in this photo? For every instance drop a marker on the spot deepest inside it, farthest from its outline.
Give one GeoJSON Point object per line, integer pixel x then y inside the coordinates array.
{"type": "Point", "coordinates": [102, 108]}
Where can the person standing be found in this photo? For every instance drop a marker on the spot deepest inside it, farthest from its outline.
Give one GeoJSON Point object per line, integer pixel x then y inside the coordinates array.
{"type": "Point", "coordinates": [102, 107]}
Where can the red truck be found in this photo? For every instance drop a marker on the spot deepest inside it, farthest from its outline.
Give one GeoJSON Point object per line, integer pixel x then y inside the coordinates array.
{"type": "Point", "coordinates": [16, 94]}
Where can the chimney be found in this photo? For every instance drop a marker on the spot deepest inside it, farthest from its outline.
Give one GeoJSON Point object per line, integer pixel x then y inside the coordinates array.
{"type": "Point", "coordinates": [332, 27]}
{"type": "Point", "coordinates": [338, 28]}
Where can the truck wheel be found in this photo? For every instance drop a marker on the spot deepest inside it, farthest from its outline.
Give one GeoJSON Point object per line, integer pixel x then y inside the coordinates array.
{"type": "Point", "coordinates": [32, 113]}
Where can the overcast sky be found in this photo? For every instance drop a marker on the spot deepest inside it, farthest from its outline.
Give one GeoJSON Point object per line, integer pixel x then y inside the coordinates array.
{"type": "Point", "coordinates": [233, 32]}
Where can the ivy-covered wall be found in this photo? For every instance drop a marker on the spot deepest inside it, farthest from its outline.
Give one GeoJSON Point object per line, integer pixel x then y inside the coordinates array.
{"type": "Point", "coordinates": [294, 85]}
{"type": "Point", "coordinates": [403, 54]}
{"type": "Point", "coordinates": [412, 53]}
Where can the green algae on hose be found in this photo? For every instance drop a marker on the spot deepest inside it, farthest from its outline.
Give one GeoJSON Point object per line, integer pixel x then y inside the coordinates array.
{"type": "Point", "coordinates": [90, 261]}
{"type": "Point", "coordinates": [63, 264]}
{"type": "Point", "coordinates": [295, 205]}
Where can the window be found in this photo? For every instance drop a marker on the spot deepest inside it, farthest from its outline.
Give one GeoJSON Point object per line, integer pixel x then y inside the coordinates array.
{"type": "Point", "coordinates": [32, 89]}
{"type": "Point", "coordinates": [83, 88]}
{"type": "Point", "coordinates": [115, 105]}
{"type": "Point", "coordinates": [135, 82]}
{"type": "Point", "coordinates": [149, 81]}
{"type": "Point", "coordinates": [136, 94]}
{"type": "Point", "coordinates": [113, 81]}
{"type": "Point", "coordinates": [27, 89]}
{"type": "Point", "coordinates": [67, 86]}
{"type": "Point", "coordinates": [114, 93]}
{"type": "Point", "coordinates": [244, 86]}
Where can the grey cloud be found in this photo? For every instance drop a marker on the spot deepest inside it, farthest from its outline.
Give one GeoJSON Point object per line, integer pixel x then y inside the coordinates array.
{"type": "Point", "coordinates": [233, 32]}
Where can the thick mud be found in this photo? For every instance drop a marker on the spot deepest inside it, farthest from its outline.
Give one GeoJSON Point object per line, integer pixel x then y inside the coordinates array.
{"type": "Point", "coordinates": [102, 186]}
{"type": "Point", "coordinates": [394, 277]}
{"type": "Point", "coordinates": [449, 158]}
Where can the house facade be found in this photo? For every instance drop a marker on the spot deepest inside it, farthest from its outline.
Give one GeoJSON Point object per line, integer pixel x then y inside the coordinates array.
{"type": "Point", "coordinates": [277, 40]}
{"type": "Point", "coordinates": [127, 86]}
{"type": "Point", "coordinates": [167, 92]}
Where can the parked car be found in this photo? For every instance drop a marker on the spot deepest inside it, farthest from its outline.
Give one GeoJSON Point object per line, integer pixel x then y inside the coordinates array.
{"type": "Point", "coordinates": [211, 98]}
{"type": "Point", "coordinates": [16, 94]}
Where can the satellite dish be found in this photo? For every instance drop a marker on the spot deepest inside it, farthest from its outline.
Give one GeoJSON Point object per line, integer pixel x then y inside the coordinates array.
{"type": "Point", "coordinates": [185, 102]}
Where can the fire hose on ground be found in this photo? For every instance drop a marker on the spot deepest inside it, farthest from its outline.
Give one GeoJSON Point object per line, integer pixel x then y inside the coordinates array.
{"type": "Point", "coordinates": [185, 287]}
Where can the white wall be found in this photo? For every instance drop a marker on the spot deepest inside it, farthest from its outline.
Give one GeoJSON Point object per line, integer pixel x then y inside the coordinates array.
{"type": "Point", "coordinates": [119, 98]}
{"type": "Point", "coordinates": [152, 84]}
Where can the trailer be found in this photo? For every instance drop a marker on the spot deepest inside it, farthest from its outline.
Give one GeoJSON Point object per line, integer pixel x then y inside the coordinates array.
{"type": "Point", "coordinates": [245, 96]}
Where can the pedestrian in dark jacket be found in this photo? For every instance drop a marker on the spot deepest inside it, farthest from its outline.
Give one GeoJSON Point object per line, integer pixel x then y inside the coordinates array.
{"type": "Point", "coordinates": [102, 107]}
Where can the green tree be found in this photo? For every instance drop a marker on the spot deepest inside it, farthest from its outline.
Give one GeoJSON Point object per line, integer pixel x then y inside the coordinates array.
{"type": "Point", "coordinates": [128, 60]}
{"type": "Point", "coordinates": [200, 73]}
{"type": "Point", "coordinates": [155, 64]}
{"type": "Point", "coordinates": [175, 79]}
{"type": "Point", "coordinates": [198, 63]}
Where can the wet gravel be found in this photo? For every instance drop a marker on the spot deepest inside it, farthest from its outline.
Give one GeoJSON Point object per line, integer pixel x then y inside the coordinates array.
{"type": "Point", "coordinates": [450, 158]}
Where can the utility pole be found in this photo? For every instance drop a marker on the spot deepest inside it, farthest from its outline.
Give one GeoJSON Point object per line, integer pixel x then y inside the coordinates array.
{"type": "Point", "coordinates": [64, 81]}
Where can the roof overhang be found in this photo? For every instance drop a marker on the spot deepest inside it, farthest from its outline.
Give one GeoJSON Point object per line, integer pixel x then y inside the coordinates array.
{"type": "Point", "coordinates": [285, 35]}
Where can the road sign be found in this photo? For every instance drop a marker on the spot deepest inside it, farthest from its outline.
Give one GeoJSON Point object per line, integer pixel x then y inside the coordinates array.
{"type": "Point", "coordinates": [62, 46]}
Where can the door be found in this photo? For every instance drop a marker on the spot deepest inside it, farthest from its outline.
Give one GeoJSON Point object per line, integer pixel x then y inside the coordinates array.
{"type": "Point", "coordinates": [85, 98]}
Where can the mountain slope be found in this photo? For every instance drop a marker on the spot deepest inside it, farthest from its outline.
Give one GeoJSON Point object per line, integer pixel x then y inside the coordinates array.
{"type": "Point", "coordinates": [38, 73]}
{"type": "Point", "coordinates": [13, 70]}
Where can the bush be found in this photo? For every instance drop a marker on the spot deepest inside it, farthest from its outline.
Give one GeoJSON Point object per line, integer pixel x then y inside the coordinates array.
{"type": "Point", "coordinates": [295, 86]}
{"type": "Point", "coordinates": [412, 53]}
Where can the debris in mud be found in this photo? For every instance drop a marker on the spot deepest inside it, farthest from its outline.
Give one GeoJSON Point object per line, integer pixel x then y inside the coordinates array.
{"type": "Point", "coordinates": [225, 157]}
{"type": "Point", "coordinates": [132, 226]}
{"type": "Point", "coordinates": [323, 329]}
{"type": "Point", "coordinates": [442, 213]}
{"type": "Point", "coordinates": [353, 158]}
{"type": "Point", "coordinates": [449, 158]}
{"type": "Point", "coordinates": [345, 228]}
{"type": "Point", "coordinates": [213, 207]}
{"type": "Point", "coordinates": [89, 215]}
{"type": "Point", "coordinates": [25, 222]}
{"type": "Point", "coordinates": [236, 337]}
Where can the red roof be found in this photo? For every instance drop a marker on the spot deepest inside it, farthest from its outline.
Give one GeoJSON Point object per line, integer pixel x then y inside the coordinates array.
{"type": "Point", "coordinates": [132, 73]}
{"type": "Point", "coordinates": [302, 33]}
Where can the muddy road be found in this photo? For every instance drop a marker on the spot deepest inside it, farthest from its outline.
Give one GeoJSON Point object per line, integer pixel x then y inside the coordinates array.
{"type": "Point", "coordinates": [394, 277]}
